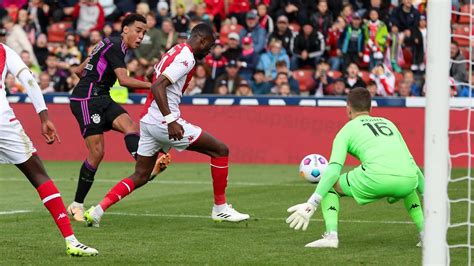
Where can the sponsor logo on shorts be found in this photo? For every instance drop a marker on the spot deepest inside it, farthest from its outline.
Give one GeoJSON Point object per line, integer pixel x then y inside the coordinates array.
{"type": "Point", "coordinates": [95, 118]}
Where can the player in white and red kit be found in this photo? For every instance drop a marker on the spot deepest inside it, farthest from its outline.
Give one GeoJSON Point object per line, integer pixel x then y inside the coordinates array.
{"type": "Point", "coordinates": [162, 128]}
{"type": "Point", "coordinates": [16, 148]}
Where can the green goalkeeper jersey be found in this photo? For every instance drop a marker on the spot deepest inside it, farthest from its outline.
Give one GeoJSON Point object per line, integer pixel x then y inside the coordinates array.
{"type": "Point", "coordinates": [377, 144]}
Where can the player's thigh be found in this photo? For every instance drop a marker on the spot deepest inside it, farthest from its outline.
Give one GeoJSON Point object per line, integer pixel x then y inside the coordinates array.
{"type": "Point", "coordinates": [153, 139]}
{"type": "Point", "coordinates": [15, 146]}
{"type": "Point", "coordinates": [89, 115]}
{"type": "Point", "coordinates": [342, 186]}
{"type": "Point", "coordinates": [118, 119]}
{"type": "Point", "coordinates": [361, 187]}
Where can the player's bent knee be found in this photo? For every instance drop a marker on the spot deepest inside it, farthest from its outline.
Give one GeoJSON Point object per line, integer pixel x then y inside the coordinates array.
{"type": "Point", "coordinates": [223, 150]}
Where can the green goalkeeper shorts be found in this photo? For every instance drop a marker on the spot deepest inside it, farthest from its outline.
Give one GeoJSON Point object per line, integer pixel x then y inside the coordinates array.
{"type": "Point", "coordinates": [366, 189]}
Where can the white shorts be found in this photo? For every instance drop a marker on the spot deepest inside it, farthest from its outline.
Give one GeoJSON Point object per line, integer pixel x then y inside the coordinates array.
{"type": "Point", "coordinates": [15, 146]}
{"type": "Point", "coordinates": [154, 137]}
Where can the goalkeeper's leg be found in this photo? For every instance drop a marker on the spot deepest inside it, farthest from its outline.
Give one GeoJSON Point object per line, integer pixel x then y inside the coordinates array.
{"type": "Point", "coordinates": [413, 206]}
{"type": "Point", "coordinates": [330, 210]}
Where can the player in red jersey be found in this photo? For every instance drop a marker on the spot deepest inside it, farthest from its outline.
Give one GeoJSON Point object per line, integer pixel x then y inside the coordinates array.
{"type": "Point", "coordinates": [162, 128]}
{"type": "Point", "coordinates": [16, 147]}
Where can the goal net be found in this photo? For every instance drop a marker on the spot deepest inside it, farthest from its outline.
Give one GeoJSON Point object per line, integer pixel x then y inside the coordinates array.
{"type": "Point", "coordinates": [448, 131]}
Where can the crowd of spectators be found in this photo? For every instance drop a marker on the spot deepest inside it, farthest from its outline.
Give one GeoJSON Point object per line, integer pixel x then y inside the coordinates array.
{"type": "Point", "coordinates": [264, 47]}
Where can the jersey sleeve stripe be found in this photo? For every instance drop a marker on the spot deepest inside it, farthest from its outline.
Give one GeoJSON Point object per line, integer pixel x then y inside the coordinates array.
{"type": "Point", "coordinates": [102, 64]}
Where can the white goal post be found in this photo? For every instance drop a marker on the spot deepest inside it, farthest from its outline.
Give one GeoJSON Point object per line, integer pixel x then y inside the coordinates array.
{"type": "Point", "coordinates": [436, 168]}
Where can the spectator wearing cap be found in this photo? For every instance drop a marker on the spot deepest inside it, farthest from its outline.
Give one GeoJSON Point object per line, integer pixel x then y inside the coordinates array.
{"type": "Point", "coordinates": [231, 76]}
{"type": "Point", "coordinates": [216, 61]}
{"type": "Point", "coordinates": [89, 16]}
{"type": "Point", "coordinates": [45, 83]}
{"type": "Point", "coordinates": [41, 49]}
{"type": "Point", "coordinates": [168, 36]}
{"type": "Point", "coordinates": [351, 42]}
{"type": "Point", "coordinates": [259, 84]}
{"type": "Point", "coordinates": [253, 29]}
{"type": "Point", "coordinates": [334, 33]}
{"type": "Point", "coordinates": [149, 50]}
{"type": "Point", "coordinates": [282, 67]}
{"type": "Point", "coordinates": [221, 88]}
{"type": "Point", "coordinates": [244, 89]}
{"type": "Point", "coordinates": [233, 50]}
{"type": "Point", "coordinates": [405, 16]}
{"type": "Point", "coordinates": [322, 19]}
{"type": "Point", "coordinates": [352, 78]}
{"type": "Point", "coordinates": [17, 38]}
{"type": "Point", "coordinates": [237, 9]}
{"type": "Point", "coordinates": [375, 34]}
{"type": "Point", "coordinates": [268, 60]}
{"type": "Point", "coordinates": [248, 59]}
{"type": "Point", "coordinates": [417, 41]}
{"type": "Point", "coordinates": [163, 12]}
{"type": "Point", "coordinates": [264, 19]}
{"type": "Point", "coordinates": [215, 9]}
{"type": "Point", "coordinates": [322, 80]}
{"type": "Point", "coordinates": [308, 48]}
{"type": "Point", "coordinates": [283, 34]}
{"type": "Point", "coordinates": [181, 20]}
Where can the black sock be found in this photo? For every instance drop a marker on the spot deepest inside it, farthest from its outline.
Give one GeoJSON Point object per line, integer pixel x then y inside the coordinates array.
{"type": "Point", "coordinates": [131, 141]}
{"type": "Point", "coordinates": [84, 184]}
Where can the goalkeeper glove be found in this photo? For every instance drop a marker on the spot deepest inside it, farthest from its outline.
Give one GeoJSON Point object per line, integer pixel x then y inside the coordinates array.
{"type": "Point", "coordinates": [301, 215]}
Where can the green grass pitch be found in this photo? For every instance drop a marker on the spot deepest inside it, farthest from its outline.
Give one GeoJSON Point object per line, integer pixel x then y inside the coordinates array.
{"type": "Point", "coordinates": [167, 221]}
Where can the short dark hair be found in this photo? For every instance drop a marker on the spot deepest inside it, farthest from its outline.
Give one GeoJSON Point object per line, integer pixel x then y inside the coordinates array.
{"type": "Point", "coordinates": [359, 100]}
{"type": "Point", "coordinates": [281, 63]}
{"type": "Point", "coordinates": [131, 18]}
{"type": "Point", "coordinates": [203, 30]}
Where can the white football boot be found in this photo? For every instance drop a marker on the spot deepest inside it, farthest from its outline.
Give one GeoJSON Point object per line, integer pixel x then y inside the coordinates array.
{"type": "Point", "coordinates": [92, 216]}
{"type": "Point", "coordinates": [76, 210]}
{"type": "Point", "coordinates": [228, 214]}
{"type": "Point", "coordinates": [77, 249]}
{"type": "Point", "coordinates": [329, 240]}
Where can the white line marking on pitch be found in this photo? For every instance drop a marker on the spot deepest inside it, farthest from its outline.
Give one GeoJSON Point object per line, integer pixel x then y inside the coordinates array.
{"type": "Point", "coordinates": [14, 212]}
{"type": "Point", "coordinates": [252, 218]}
{"type": "Point", "coordinates": [209, 217]}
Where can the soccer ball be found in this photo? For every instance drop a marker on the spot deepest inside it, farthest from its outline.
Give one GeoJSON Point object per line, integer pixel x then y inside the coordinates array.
{"type": "Point", "coordinates": [312, 167]}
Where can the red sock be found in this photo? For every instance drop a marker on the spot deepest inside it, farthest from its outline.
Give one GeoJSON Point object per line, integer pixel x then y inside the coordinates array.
{"type": "Point", "coordinates": [118, 192]}
{"type": "Point", "coordinates": [219, 172]}
{"type": "Point", "coordinates": [51, 198]}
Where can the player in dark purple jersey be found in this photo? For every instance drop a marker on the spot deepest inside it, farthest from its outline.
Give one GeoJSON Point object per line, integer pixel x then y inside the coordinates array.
{"type": "Point", "coordinates": [94, 109]}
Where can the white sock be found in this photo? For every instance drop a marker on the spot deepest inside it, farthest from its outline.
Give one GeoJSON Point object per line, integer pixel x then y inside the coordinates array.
{"type": "Point", "coordinates": [98, 210]}
{"type": "Point", "coordinates": [220, 207]}
{"type": "Point", "coordinates": [71, 238]}
{"type": "Point", "coordinates": [77, 204]}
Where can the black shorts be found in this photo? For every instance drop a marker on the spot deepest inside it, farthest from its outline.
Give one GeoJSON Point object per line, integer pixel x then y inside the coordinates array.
{"type": "Point", "coordinates": [95, 116]}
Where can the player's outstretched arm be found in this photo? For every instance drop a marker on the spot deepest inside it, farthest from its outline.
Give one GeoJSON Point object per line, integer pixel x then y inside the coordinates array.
{"type": "Point", "coordinates": [129, 82]}
{"type": "Point", "coordinates": [158, 89]}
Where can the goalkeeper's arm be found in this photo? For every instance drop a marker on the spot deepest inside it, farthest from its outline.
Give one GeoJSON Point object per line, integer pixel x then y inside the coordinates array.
{"type": "Point", "coordinates": [328, 180]}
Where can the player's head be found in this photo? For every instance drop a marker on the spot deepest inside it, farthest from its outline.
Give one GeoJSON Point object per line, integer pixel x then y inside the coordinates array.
{"type": "Point", "coordinates": [133, 30]}
{"type": "Point", "coordinates": [358, 101]}
{"type": "Point", "coordinates": [201, 40]}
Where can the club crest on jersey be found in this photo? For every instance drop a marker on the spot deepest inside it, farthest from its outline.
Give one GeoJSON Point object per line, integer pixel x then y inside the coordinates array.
{"type": "Point", "coordinates": [95, 118]}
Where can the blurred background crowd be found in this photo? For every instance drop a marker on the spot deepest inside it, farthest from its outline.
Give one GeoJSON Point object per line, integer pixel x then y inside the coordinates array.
{"type": "Point", "coordinates": [264, 47]}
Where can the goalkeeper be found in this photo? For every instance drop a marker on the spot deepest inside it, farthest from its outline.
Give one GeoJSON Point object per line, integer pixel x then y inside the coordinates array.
{"type": "Point", "coordinates": [387, 170]}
